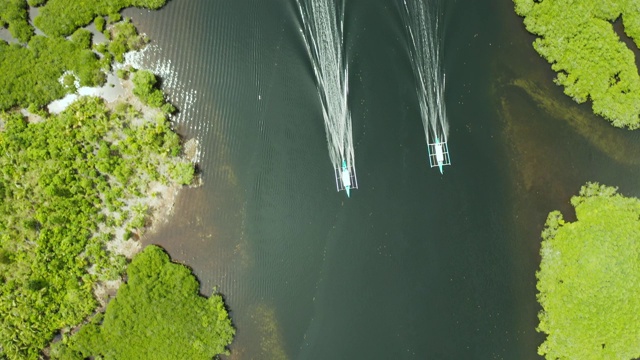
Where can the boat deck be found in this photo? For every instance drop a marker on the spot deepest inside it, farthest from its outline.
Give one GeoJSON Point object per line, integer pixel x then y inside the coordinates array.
{"type": "Point", "coordinates": [433, 154]}
{"type": "Point", "coordinates": [352, 175]}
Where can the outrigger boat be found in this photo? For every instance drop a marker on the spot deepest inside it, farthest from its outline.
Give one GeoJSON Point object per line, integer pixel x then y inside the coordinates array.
{"type": "Point", "coordinates": [346, 178]}
{"type": "Point", "coordinates": [439, 154]}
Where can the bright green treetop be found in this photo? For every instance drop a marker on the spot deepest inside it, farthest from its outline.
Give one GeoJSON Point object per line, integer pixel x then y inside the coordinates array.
{"type": "Point", "coordinates": [13, 15]}
{"type": "Point", "coordinates": [578, 39]}
{"type": "Point", "coordinates": [589, 278]}
{"type": "Point", "coordinates": [158, 314]}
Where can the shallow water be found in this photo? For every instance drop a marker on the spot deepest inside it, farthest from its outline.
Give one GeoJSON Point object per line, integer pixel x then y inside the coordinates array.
{"type": "Point", "coordinates": [416, 264]}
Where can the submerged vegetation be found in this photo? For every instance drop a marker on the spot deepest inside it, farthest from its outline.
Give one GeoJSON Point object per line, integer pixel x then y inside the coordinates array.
{"type": "Point", "coordinates": [579, 40]}
{"type": "Point", "coordinates": [158, 314]}
{"type": "Point", "coordinates": [589, 278]}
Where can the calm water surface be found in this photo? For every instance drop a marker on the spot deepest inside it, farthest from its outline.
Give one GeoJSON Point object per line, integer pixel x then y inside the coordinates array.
{"type": "Point", "coordinates": [416, 265]}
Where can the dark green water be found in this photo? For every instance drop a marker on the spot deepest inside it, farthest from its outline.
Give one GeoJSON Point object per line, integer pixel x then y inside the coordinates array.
{"type": "Point", "coordinates": [415, 265]}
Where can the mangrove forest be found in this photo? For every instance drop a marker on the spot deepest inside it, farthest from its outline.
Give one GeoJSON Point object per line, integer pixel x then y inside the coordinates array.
{"type": "Point", "coordinates": [593, 64]}
{"type": "Point", "coordinates": [589, 278]}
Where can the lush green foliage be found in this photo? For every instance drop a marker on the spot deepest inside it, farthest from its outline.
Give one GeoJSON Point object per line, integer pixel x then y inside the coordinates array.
{"type": "Point", "coordinates": [122, 74]}
{"type": "Point", "coordinates": [60, 181]}
{"type": "Point", "coordinates": [30, 74]}
{"type": "Point", "coordinates": [145, 87]}
{"type": "Point", "coordinates": [63, 17]}
{"type": "Point", "coordinates": [71, 184]}
{"type": "Point", "coordinates": [181, 172]}
{"type": "Point", "coordinates": [578, 39]}
{"type": "Point", "coordinates": [158, 314]}
{"type": "Point", "coordinates": [99, 22]}
{"type": "Point", "coordinates": [124, 38]}
{"type": "Point", "coordinates": [14, 14]}
{"type": "Point", "coordinates": [589, 279]}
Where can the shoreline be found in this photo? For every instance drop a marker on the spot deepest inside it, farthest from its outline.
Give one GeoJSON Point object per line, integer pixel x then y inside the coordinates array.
{"type": "Point", "coordinates": [106, 161]}
{"type": "Point", "coordinates": [159, 199]}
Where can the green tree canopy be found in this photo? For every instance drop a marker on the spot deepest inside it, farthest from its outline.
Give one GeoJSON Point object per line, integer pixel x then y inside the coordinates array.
{"type": "Point", "coordinates": [589, 278]}
{"type": "Point", "coordinates": [14, 14]}
{"type": "Point", "coordinates": [63, 17]}
{"type": "Point", "coordinates": [145, 87]}
{"type": "Point", "coordinates": [158, 314]}
{"type": "Point", "coordinates": [30, 74]}
{"type": "Point", "coordinates": [124, 38]}
{"type": "Point", "coordinates": [578, 39]}
{"type": "Point", "coordinates": [64, 182]}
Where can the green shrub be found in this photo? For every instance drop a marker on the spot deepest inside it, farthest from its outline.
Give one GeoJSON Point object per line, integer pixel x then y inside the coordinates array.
{"type": "Point", "coordinates": [145, 88]}
{"type": "Point", "coordinates": [124, 38]}
{"type": "Point", "coordinates": [82, 38]}
{"type": "Point", "coordinates": [99, 22]}
{"type": "Point", "coordinates": [69, 80]}
{"type": "Point", "coordinates": [182, 173]}
{"type": "Point", "coordinates": [167, 108]}
{"type": "Point", "coordinates": [122, 74]}
{"type": "Point", "coordinates": [114, 17]}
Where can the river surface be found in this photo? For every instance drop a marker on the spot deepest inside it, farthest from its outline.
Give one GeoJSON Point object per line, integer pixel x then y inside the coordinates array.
{"type": "Point", "coordinates": [416, 265]}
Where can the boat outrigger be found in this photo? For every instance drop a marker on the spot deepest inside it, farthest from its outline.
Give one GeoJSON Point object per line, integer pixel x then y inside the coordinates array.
{"type": "Point", "coordinates": [439, 154]}
{"type": "Point", "coordinates": [346, 178]}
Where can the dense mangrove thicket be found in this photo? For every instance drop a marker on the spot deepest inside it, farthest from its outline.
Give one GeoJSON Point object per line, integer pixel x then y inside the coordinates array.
{"type": "Point", "coordinates": [69, 186]}
{"type": "Point", "coordinates": [14, 16]}
{"type": "Point", "coordinates": [158, 314]}
{"type": "Point", "coordinates": [589, 278]}
{"type": "Point", "coordinates": [578, 39]}
{"type": "Point", "coordinates": [29, 76]}
{"type": "Point", "coordinates": [63, 17]}
{"type": "Point", "coordinates": [75, 191]}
